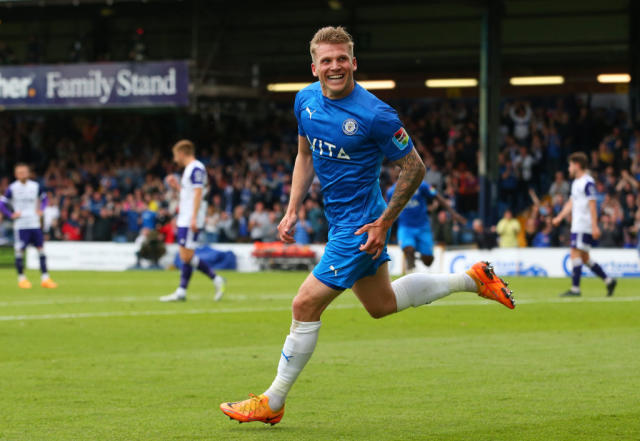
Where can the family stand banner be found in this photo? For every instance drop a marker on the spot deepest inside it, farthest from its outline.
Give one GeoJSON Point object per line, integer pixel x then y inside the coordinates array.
{"type": "Point", "coordinates": [153, 84]}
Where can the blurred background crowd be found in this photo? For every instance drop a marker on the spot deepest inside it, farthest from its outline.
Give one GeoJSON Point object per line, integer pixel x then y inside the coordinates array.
{"type": "Point", "coordinates": [104, 172]}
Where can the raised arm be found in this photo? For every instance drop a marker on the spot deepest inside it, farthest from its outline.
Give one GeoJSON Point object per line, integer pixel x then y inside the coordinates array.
{"type": "Point", "coordinates": [301, 180]}
{"type": "Point", "coordinates": [411, 173]}
{"type": "Point", "coordinates": [447, 206]}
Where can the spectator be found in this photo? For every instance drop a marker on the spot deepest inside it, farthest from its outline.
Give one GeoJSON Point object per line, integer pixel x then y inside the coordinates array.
{"type": "Point", "coordinates": [521, 114]}
{"type": "Point", "coordinates": [524, 164]}
{"type": "Point", "coordinates": [259, 223]}
{"type": "Point", "coordinates": [611, 236]}
{"type": "Point", "coordinates": [303, 232]}
{"type": "Point", "coordinates": [316, 220]}
{"type": "Point", "coordinates": [102, 225]}
{"type": "Point", "coordinates": [226, 230]}
{"type": "Point", "coordinates": [560, 186]}
{"type": "Point", "coordinates": [50, 214]}
{"type": "Point", "coordinates": [271, 230]}
{"type": "Point", "coordinates": [530, 230]}
{"type": "Point", "coordinates": [443, 229]}
{"type": "Point", "coordinates": [71, 228]}
{"type": "Point", "coordinates": [508, 183]}
{"type": "Point", "coordinates": [211, 224]}
{"type": "Point", "coordinates": [543, 239]}
{"type": "Point", "coordinates": [148, 218]}
{"type": "Point", "coordinates": [612, 208]}
{"type": "Point", "coordinates": [168, 231]}
{"type": "Point", "coordinates": [483, 238]}
{"type": "Point", "coordinates": [508, 229]}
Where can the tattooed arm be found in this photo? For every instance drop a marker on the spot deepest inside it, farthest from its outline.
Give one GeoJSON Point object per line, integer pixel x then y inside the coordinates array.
{"type": "Point", "coordinates": [411, 174]}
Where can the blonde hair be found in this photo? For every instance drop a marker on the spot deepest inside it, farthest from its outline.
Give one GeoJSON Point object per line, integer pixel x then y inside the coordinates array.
{"type": "Point", "coordinates": [331, 35]}
{"type": "Point", "coordinates": [185, 146]}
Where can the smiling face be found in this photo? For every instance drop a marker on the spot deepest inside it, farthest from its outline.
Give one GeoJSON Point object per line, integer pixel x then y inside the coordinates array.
{"type": "Point", "coordinates": [333, 65]}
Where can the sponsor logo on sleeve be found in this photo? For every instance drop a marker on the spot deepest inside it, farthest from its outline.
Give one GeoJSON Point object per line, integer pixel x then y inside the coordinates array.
{"type": "Point", "coordinates": [401, 138]}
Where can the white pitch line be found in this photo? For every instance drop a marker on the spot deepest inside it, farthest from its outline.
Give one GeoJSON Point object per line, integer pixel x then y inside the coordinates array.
{"type": "Point", "coordinates": [78, 315]}
{"type": "Point", "coordinates": [135, 299]}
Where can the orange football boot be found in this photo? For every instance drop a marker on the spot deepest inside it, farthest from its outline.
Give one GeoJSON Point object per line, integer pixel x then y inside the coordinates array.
{"type": "Point", "coordinates": [24, 284]}
{"type": "Point", "coordinates": [490, 285]}
{"type": "Point", "coordinates": [256, 408]}
{"type": "Point", "coordinates": [48, 283]}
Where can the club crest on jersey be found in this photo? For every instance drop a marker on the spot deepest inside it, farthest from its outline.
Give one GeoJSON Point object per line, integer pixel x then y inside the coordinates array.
{"type": "Point", "coordinates": [349, 126]}
{"type": "Point", "coordinates": [401, 138]}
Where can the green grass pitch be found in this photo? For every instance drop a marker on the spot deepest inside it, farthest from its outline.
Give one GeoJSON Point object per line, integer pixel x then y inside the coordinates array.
{"type": "Point", "coordinates": [100, 359]}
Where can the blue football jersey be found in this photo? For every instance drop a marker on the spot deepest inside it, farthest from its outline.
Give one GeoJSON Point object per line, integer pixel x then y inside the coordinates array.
{"type": "Point", "coordinates": [349, 138]}
{"type": "Point", "coordinates": [415, 213]}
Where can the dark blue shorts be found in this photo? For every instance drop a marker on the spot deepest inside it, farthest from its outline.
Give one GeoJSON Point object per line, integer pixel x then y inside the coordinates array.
{"type": "Point", "coordinates": [28, 236]}
{"type": "Point", "coordinates": [187, 238]}
{"type": "Point", "coordinates": [343, 264]}
{"type": "Point", "coordinates": [582, 241]}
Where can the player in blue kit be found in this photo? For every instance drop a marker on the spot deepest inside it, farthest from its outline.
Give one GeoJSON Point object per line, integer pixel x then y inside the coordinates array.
{"type": "Point", "coordinates": [414, 226]}
{"type": "Point", "coordinates": [345, 133]}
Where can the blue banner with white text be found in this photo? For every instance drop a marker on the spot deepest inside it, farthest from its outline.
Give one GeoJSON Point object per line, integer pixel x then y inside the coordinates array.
{"type": "Point", "coordinates": [90, 85]}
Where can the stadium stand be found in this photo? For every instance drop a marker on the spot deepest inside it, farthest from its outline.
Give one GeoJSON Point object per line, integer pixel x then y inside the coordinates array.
{"type": "Point", "coordinates": [104, 172]}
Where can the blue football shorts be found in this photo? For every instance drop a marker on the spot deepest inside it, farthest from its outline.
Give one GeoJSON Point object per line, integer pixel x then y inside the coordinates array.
{"type": "Point", "coordinates": [419, 238]}
{"type": "Point", "coordinates": [343, 264]}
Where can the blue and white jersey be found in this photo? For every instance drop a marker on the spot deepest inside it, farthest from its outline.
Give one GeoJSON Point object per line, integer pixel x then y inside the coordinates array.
{"type": "Point", "coordinates": [583, 190]}
{"type": "Point", "coordinates": [194, 176]}
{"type": "Point", "coordinates": [27, 199]}
{"type": "Point", "coordinates": [349, 138]}
{"type": "Point", "coordinates": [415, 213]}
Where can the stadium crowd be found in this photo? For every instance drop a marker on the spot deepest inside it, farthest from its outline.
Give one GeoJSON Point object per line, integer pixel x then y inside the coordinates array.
{"type": "Point", "coordinates": [105, 173]}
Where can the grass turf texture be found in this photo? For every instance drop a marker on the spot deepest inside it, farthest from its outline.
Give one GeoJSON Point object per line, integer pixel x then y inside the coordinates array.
{"type": "Point", "coordinates": [100, 359]}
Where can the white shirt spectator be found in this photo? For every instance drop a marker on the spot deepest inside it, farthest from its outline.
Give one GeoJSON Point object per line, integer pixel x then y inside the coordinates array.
{"type": "Point", "coordinates": [521, 123]}
{"type": "Point", "coordinates": [49, 215]}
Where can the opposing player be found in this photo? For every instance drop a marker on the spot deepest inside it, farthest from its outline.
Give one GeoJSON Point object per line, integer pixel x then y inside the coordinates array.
{"type": "Point", "coordinates": [23, 202]}
{"type": "Point", "coordinates": [344, 133]}
{"type": "Point", "coordinates": [414, 226]}
{"type": "Point", "coordinates": [192, 209]}
{"type": "Point", "coordinates": [584, 224]}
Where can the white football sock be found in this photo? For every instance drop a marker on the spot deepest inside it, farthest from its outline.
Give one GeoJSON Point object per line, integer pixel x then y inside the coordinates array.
{"type": "Point", "coordinates": [181, 291]}
{"type": "Point", "coordinates": [420, 289]}
{"type": "Point", "coordinates": [297, 350]}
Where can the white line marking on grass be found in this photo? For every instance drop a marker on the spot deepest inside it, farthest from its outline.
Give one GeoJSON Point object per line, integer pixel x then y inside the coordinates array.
{"type": "Point", "coordinates": [78, 315]}
{"type": "Point", "coordinates": [136, 299]}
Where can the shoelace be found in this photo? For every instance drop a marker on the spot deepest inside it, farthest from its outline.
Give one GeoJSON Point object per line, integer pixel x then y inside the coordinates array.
{"type": "Point", "coordinates": [252, 403]}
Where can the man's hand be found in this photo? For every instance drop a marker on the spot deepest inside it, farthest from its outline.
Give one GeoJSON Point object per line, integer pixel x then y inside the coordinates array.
{"type": "Point", "coordinates": [556, 221]}
{"type": "Point", "coordinates": [16, 215]}
{"type": "Point", "coordinates": [39, 212]}
{"type": "Point", "coordinates": [194, 225]}
{"type": "Point", "coordinates": [287, 227]}
{"type": "Point", "coordinates": [595, 232]}
{"type": "Point", "coordinates": [376, 237]}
